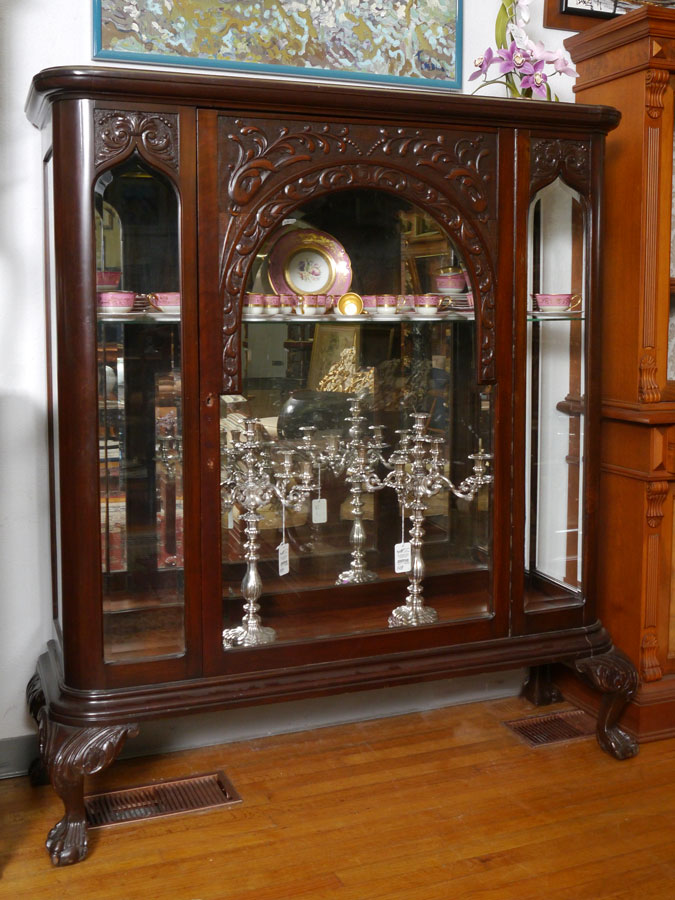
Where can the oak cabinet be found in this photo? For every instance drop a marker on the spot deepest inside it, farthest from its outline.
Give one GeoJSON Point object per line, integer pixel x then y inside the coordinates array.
{"type": "Point", "coordinates": [324, 406]}
{"type": "Point", "coordinates": [628, 63]}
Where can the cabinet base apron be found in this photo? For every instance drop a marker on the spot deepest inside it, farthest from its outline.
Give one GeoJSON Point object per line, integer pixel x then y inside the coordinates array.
{"type": "Point", "coordinates": [82, 734]}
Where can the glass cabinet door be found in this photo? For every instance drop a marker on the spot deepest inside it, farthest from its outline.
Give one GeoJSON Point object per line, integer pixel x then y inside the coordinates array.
{"type": "Point", "coordinates": [358, 450]}
{"type": "Point", "coordinates": [556, 396]}
{"type": "Point", "coordinates": [140, 412]}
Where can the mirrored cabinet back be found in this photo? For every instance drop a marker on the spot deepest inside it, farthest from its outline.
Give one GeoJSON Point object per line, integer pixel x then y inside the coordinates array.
{"type": "Point", "coordinates": [323, 397]}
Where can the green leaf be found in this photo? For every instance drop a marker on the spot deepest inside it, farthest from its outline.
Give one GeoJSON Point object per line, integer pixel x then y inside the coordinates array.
{"type": "Point", "coordinates": [502, 21]}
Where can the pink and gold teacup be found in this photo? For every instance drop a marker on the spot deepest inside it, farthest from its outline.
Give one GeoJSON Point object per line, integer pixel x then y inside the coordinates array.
{"type": "Point", "coordinates": [426, 304]}
{"type": "Point", "coordinates": [557, 302]}
{"type": "Point", "coordinates": [115, 302]}
{"type": "Point", "coordinates": [453, 279]}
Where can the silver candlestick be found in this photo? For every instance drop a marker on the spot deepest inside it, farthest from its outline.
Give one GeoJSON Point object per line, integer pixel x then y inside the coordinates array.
{"type": "Point", "coordinates": [416, 476]}
{"type": "Point", "coordinates": [250, 482]}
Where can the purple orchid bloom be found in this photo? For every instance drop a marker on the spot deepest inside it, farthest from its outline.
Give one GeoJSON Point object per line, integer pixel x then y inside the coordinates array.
{"type": "Point", "coordinates": [535, 80]}
{"type": "Point", "coordinates": [515, 59]}
{"type": "Point", "coordinates": [483, 63]}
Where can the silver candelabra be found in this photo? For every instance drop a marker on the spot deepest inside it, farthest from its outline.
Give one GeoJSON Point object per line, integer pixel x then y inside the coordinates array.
{"type": "Point", "coordinates": [357, 457]}
{"type": "Point", "coordinates": [250, 480]}
{"type": "Point", "coordinates": [416, 476]}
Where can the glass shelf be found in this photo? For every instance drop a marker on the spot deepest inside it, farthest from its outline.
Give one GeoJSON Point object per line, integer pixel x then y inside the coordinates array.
{"type": "Point", "coordinates": [362, 319]}
{"type": "Point", "coordinates": [534, 316]}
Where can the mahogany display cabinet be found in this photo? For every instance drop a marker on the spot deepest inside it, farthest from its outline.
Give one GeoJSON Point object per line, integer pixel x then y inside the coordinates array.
{"type": "Point", "coordinates": [629, 62]}
{"type": "Point", "coordinates": [323, 399]}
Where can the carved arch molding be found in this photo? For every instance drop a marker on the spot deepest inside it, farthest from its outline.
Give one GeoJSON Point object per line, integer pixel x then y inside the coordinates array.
{"type": "Point", "coordinates": [267, 170]}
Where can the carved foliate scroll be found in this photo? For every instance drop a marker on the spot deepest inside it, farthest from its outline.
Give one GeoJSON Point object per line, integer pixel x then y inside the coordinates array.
{"type": "Point", "coordinates": [616, 676]}
{"type": "Point", "coordinates": [274, 169]}
{"type": "Point", "coordinates": [68, 754]}
{"type": "Point", "coordinates": [657, 491]}
{"type": "Point", "coordinates": [552, 158]}
{"type": "Point", "coordinates": [657, 81]}
{"type": "Point", "coordinates": [154, 135]}
{"type": "Point", "coordinates": [648, 388]}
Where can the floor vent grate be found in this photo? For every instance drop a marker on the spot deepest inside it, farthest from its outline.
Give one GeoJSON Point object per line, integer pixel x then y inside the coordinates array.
{"type": "Point", "coordinates": [566, 725]}
{"type": "Point", "coordinates": [164, 798]}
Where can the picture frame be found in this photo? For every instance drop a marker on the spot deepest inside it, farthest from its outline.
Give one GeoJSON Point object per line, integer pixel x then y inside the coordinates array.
{"type": "Point", "coordinates": [328, 343]}
{"type": "Point", "coordinates": [578, 15]}
{"type": "Point", "coordinates": [339, 39]}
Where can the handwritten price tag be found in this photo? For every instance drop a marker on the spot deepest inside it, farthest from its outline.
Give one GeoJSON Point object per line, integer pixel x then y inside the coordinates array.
{"type": "Point", "coordinates": [402, 557]}
{"type": "Point", "coordinates": [319, 511]}
{"type": "Point", "coordinates": [284, 561]}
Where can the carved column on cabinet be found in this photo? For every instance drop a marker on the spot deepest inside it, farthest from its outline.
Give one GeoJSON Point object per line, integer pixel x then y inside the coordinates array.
{"type": "Point", "coordinates": [68, 754]}
{"type": "Point", "coordinates": [656, 83]}
{"type": "Point", "coordinates": [650, 668]}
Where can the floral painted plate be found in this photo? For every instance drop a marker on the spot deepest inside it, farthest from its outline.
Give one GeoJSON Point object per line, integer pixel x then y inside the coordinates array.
{"type": "Point", "coordinates": [307, 261]}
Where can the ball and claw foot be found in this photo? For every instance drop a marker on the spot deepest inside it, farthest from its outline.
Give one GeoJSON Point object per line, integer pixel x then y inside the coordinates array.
{"type": "Point", "coordinates": [617, 742]}
{"type": "Point", "coordinates": [67, 841]}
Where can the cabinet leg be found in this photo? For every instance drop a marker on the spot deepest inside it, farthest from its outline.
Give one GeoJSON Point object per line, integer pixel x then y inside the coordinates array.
{"type": "Point", "coordinates": [539, 688]}
{"type": "Point", "coordinates": [68, 754]}
{"type": "Point", "coordinates": [616, 676]}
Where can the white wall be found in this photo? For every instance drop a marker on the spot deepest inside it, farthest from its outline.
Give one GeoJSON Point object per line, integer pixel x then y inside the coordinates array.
{"type": "Point", "coordinates": [36, 34]}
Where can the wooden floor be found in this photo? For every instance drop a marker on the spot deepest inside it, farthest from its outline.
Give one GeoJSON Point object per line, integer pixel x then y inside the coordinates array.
{"type": "Point", "coordinates": [433, 806]}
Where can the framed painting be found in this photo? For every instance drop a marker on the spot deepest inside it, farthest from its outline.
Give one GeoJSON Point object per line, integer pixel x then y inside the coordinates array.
{"type": "Point", "coordinates": [578, 15]}
{"type": "Point", "coordinates": [410, 41]}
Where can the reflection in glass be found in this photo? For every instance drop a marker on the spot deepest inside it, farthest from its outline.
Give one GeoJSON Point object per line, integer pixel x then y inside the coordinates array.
{"type": "Point", "coordinates": [300, 377]}
{"type": "Point", "coordinates": [140, 412]}
{"type": "Point", "coordinates": [556, 397]}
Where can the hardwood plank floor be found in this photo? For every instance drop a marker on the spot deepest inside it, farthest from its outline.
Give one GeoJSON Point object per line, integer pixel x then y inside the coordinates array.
{"type": "Point", "coordinates": [434, 806]}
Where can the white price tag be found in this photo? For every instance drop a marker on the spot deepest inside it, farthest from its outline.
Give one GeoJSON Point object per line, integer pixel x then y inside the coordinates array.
{"type": "Point", "coordinates": [319, 511]}
{"type": "Point", "coordinates": [402, 557]}
{"type": "Point", "coordinates": [284, 562]}
{"type": "Point", "coordinates": [230, 518]}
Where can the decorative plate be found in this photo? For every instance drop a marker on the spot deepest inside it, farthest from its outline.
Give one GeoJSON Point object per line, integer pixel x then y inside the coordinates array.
{"type": "Point", "coordinates": [306, 261]}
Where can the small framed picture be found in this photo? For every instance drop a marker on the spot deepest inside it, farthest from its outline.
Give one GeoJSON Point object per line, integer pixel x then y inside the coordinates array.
{"type": "Point", "coordinates": [577, 15]}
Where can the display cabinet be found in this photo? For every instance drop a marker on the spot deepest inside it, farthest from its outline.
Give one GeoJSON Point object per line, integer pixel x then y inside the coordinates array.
{"type": "Point", "coordinates": [629, 62]}
{"type": "Point", "coordinates": [323, 399]}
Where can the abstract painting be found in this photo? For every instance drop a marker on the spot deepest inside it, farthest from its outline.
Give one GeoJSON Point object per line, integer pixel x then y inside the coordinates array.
{"type": "Point", "coordinates": [375, 40]}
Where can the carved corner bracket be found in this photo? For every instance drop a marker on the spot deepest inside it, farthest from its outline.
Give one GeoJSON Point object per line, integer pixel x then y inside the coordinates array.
{"type": "Point", "coordinates": [118, 133]}
{"type": "Point", "coordinates": [552, 157]}
{"type": "Point", "coordinates": [648, 388]}
{"type": "Point", "coordinates": [657, 81]}
{"type": "Point", "coordinates": [656, 491]}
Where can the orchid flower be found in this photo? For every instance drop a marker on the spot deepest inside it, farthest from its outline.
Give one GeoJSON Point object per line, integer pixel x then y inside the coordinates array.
{"type": "Point", "coordinates": [513, 58]}
{"type": "Point", "coordinates": [521, 63]}
{"type": "Point", "coordinates": [483, 63]}
{"type": "Point", "coordinates": [522, 12]}
{"type": "Point", "coordinates": [536, 80]}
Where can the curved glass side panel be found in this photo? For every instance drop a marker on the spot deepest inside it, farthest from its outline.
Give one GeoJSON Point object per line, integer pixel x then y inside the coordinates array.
{"type": "Point", "coordinates": [348, 457]}
{"type": "Point", "coordinates": [555, 396]}
{"type": "Point", "coordinates": [140, 418]}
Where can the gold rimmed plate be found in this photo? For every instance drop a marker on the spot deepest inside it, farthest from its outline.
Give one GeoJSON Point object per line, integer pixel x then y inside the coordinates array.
{"type": "Point", "coordinates": [307, 261]}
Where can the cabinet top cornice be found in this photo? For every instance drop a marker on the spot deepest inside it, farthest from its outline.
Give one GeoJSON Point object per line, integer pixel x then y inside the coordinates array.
{"type": "Point", "coordinates": [637, 30]}
{"type": "Point", "coordinates": [306, 96]}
